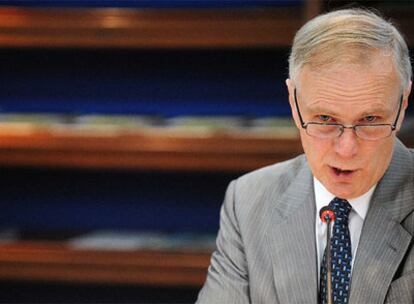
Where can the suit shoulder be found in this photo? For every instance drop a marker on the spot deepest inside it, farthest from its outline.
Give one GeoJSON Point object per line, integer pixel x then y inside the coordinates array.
{"type": "Point", "coordinates": [404, 158]}
{"type": "Point", "coordinates": [260, 186]}
{"type": "Point", "coordinates": [412, 155]}
{"type": "Point", "coordinates": [255, 194]}
{"type": "Point", "coordinates": [286, 171]}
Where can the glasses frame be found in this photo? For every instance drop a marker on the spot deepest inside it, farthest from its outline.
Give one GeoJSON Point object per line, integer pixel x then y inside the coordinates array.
{"type": "Point", "coordinates": [342, 127]}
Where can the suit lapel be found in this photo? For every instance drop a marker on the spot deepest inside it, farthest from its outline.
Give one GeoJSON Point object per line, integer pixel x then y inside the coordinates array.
{"type": "Point", "coordinates": [292, 241]}
{"type": "Point", "coordinates": [383, 240]}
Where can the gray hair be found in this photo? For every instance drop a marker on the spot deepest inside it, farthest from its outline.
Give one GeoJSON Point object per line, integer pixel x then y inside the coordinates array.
{"type": "Point", "coordinates": [329, 38]}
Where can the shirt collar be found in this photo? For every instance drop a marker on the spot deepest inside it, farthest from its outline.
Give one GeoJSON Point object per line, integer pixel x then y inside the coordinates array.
{"type": "Point", "coordinates": [359, 204]}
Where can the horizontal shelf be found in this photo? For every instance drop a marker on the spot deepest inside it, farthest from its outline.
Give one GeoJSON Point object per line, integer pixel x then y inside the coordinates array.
{"type": "Point", "coordinates": [145, 150]}
{"type": "Point", "coordinates": [167, 28]}
{"type": "Point", "coordinates": [149, 150]}
{"type": "Point", "coordinates": [148, 28]}
{"type": "Point", "coordinates": [54, 261]}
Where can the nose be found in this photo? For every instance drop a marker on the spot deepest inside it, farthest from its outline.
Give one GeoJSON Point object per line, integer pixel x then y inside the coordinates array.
{"type": "Point", "coordinates": [346, 145]}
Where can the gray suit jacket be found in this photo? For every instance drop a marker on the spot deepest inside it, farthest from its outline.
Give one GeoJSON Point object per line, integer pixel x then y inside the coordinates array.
{"type": "Point", "coordinates": [266, 248]}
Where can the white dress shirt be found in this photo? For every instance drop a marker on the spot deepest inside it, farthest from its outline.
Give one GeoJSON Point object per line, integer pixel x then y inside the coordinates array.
{"type": "Point", "coordinates": [356, 219]}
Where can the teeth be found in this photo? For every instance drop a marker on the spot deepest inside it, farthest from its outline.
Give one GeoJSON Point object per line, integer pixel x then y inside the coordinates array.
{"type": "Point", "coordinates": [339, 171]}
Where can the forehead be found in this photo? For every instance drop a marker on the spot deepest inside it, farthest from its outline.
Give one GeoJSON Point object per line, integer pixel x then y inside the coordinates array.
{"type": "Point", "coordinates": [351, 84]}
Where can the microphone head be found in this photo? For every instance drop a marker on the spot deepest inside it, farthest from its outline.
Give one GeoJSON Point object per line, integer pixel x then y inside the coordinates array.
{"type": "Point", "coordinates": [326, 214]}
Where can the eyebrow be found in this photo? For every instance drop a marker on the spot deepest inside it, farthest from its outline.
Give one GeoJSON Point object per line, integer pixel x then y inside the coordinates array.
{"type": "Point", "coordinates": [375, 110]}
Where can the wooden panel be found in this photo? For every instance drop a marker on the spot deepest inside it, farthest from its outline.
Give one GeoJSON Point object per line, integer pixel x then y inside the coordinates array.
{"type": "Point", "coordinates": [57, 262]}
{"type": "Point", "coordinates": [162, 150]}
{"type": "Point", "coordinates": [148, 28]}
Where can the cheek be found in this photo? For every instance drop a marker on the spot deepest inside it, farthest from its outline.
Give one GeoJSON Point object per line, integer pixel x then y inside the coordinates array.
{"type": "Point", "coordinates": [315, 150]}
{"type": "Point", "coordinates": [376, 158]}
{"type": "Point", "coordinates": [379, 155]}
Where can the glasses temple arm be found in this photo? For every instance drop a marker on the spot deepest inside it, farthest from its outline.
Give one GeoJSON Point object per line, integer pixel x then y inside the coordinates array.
{"type": "Point", "coordinates": [394, 125]}
{"type": "Point", "coordinates": [297, 110]}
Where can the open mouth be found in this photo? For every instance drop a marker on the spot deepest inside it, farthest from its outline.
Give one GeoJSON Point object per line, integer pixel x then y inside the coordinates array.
{"type": "Point", "coordinates": [339, 172]}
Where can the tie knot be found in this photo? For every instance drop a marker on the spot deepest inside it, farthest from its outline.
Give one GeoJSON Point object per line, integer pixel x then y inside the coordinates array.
{"type": "Point", "coordinates": [341, 208]}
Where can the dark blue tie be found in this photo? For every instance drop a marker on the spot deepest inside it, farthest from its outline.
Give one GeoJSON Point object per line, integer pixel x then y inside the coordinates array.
{"type": "Point", "coordinates": [341, 254]}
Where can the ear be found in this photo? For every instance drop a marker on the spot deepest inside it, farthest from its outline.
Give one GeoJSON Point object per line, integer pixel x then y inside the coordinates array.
{"type": "Point", "coordinates": [291, 91]}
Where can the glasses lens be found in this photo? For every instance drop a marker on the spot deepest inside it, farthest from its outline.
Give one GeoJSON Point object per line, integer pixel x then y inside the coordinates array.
{"type": "Point", "coordinates": [323, 130]}
{"type": "Point", "coordinates": [373, 132]}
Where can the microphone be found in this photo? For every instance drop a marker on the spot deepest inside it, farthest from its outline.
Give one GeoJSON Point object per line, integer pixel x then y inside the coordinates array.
{"type": "Point", "coordinates": [327, 215]}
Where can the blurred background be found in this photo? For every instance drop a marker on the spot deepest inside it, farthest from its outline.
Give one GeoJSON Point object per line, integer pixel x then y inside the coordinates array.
{"type": "Point", "coordinates": [121, 124]}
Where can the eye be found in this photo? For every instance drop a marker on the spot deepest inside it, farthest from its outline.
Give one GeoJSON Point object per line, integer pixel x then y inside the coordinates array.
{"type": "Point", "coordinates": [370, 119]}
{"type": "Point", "coordinates": [324, 118]}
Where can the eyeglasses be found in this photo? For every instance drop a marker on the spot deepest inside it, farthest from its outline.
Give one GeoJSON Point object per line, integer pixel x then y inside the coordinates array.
{"type": "Point", "coordinates": [334, 130]}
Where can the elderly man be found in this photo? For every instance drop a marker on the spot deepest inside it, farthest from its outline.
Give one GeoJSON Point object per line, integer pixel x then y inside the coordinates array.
{"type": "Point", "coordinates": [350, 78]}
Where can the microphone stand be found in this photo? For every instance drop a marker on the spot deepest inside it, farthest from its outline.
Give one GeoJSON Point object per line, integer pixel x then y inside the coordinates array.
{"type": "Point", "coordinates": [329, 260]}
{"type": "Point", "coordinates": [327, 215]}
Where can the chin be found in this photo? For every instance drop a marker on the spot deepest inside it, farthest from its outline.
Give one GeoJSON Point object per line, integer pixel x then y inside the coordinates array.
{"type": "Point", "coordinates": [346, 195]}
{"type": "Point", "coordinates": [344, 191]}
